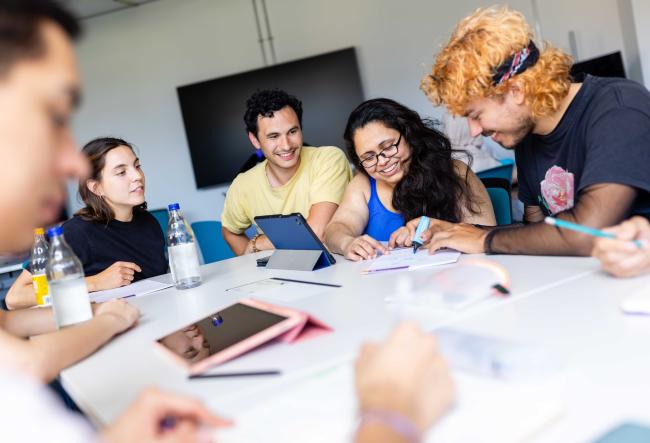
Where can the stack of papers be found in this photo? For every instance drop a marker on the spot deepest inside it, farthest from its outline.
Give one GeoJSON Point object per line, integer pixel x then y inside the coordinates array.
{"type": "Point", "coordinates": [133, 290]}
{"type": "Point", "coordinates": [405, 259]}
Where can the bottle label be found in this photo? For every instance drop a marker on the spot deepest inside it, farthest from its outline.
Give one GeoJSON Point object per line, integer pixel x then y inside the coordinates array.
{"type": "Point", "coordinates": [184, 262]}
{"type": "Point", "coordinates": [41, 289]}
{"type": "Point", "coordinates": [70, 301]}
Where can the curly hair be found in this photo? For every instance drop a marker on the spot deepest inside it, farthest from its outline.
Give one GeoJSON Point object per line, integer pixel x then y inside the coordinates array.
{"type": "Point", "coordinates": [431, 187]}
{"type": "Point", "coordinates": [464, 68]}
{"type": "Point", "coordinates": [265, 102]}
{"type": "Point", "coordinates": [96, 208]}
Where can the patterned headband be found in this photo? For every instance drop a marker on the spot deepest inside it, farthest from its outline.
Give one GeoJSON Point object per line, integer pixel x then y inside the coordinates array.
{"type": "Point", "coordinates": [518, 63]}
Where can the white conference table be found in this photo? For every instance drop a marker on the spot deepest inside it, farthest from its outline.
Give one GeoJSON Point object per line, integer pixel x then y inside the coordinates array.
{"type": "Point", "coordinates": [565, 304]}
{"type": "Point", "coordinates": [606, 353]}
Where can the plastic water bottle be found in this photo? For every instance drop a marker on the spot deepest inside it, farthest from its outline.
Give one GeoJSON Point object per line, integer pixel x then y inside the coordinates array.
{"type": "Point", "coordinates": [38, 264]}
{"type": "Point", "coordinates": [183, 256]}
{"type": "Point", "coordinates": [65, 275]}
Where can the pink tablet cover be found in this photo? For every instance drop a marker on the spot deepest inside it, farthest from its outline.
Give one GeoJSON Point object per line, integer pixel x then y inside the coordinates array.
{"type": "Point", "coordinates": [309, 328]}
{"type": "Point", "coordinates": [297, 327]}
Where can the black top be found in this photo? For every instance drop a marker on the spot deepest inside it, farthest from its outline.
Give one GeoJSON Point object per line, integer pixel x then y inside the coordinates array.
{"type": "Point", "coordinates": [603, 137]}
{"type": "Point", "coordinates": [98, 245]}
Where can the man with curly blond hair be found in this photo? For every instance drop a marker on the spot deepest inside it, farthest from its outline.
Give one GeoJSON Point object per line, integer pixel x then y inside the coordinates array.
{"type": "Point", "coordinates": [582, 145]}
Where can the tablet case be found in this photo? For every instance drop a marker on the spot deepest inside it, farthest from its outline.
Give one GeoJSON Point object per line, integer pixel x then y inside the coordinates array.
{"type": "Point", "coordinates": [297, 248]}
{"type": "Point", "coordinates": [311, 327]}
{"type": "Point", "coordinates": [296, 260]}
{"type": "Point", "coordinates": [306, 327]}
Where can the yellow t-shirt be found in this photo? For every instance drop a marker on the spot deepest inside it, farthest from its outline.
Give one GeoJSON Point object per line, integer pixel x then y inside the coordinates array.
{"type": "Point", "coordinates": [322, 176]}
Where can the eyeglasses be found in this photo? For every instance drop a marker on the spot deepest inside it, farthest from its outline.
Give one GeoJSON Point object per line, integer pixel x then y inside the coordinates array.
{"type": "Point", "coordinates": [388, 152]}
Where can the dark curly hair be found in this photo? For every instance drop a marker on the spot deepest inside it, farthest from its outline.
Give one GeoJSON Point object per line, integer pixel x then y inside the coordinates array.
{"type": "Point", "coordinates": [265, 103]}
{"type": "Point", "coordinates": [431, 186]}
{"type": "Point", "coordinates": [96, 208]}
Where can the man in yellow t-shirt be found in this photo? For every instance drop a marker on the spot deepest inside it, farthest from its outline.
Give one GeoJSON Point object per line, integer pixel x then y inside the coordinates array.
{"type": "Point", "coordinates": [293, 178]}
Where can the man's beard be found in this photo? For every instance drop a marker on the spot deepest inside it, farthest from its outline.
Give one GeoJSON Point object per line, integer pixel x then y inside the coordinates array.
{"type": "Point", "coordinates": [523, 129]}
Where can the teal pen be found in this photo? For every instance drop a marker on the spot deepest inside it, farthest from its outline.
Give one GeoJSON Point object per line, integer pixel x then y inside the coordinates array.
{"type": "Point", "coordinates": [584, 229]}
{"type": "Point", "coordinates": [422, 226]}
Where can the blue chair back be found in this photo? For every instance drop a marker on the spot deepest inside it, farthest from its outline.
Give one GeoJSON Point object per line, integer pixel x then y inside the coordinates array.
{"type": "Point", "coordinates": [499, 191]}
{"type": "Point", "coordinates": [211, 242]}
{"type": "Point", "coordinates": [504, 171]}
{"type": "Point", "coordinates": [163, 218]}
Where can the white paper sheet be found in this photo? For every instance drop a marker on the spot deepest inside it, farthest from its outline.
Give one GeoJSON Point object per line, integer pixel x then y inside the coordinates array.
{"type": "Point", "coordinates": [141, 287]}
{"type": "Point", "coordinates": [405, 259]}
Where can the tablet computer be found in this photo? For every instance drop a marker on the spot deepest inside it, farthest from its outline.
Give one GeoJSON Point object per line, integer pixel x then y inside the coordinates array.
{"type": "Point", "coordinates": [228, 333]}
{"type": "Point", "coordinates": [293, 232]}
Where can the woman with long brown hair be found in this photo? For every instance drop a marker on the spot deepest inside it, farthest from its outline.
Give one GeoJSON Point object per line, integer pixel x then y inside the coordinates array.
{"type": "Point", "coordinates": [406, 170]}
{"type": "Point", "coordinates": [114, 236]}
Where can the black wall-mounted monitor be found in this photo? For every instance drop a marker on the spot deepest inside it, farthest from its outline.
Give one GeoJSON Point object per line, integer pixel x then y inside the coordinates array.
{"type": "Point", "coordinates": [328, 85]}
{"type": "Point", "coordinates": [609, 65]}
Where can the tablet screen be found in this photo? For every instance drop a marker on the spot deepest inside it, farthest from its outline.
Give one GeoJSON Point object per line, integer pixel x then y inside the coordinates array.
{"type": "Point", "coordinates": [219, 331]}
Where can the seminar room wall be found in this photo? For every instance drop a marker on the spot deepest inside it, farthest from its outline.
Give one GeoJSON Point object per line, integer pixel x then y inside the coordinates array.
{"type": "Point", "coordinates": [133, 60]}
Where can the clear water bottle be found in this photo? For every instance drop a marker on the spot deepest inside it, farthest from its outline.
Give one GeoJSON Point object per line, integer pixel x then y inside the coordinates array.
{"type": "Point", "coordinates": [65, 275]}
{"type": "Point", "coordinates": [38, 265]}
{"type": "Point", "coordinates": [183, 255]}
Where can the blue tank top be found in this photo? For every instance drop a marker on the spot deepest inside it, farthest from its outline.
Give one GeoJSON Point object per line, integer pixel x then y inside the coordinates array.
{"type": "Point", "coordinates": [381, 222]}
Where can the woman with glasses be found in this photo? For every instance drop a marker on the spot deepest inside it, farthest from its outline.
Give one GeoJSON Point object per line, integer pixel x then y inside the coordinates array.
{"type": "Point", "coordinates": [406, 171]}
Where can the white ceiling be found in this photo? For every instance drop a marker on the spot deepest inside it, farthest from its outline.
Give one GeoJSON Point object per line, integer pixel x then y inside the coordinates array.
{"type": "Point", "coordinates": [91, 8]}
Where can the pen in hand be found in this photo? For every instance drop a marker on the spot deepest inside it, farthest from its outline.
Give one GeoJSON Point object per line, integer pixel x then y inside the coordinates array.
{"type": "Point", "coordinates": [423, 225]}
{"type": "Point", "coordinates": [559, 223]}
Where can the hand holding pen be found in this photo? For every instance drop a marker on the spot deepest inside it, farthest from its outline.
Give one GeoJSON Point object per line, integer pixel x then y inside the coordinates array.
{"type": "Point", "coordinates": [423, 225]}
{"type": "Point", "coordinates": [158, 416]}
{"type": "Point", "coordinates": [607, 233]}
{"type": "Point", "coordinates": [627, 252]}
{"type": "Point", "coordinates": [409, 234]}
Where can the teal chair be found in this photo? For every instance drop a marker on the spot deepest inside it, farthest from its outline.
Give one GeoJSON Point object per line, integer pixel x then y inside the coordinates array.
{"type": "Point", "coordinates": [163, 218]}
{"type": "Point", "coordinates": [499, 192]}
{"type": "Point", "coordinates": [504, 171]}
{"type": "Point", "coordinates": [211, 242]}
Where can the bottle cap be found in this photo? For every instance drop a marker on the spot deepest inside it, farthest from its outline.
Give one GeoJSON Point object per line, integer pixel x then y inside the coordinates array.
{"type": "Point", "coordinates": [39, 231]}
{"type": "Point", "coordinates": [174, 207]}
{"type": "Point", "coordinates": [55, 231]}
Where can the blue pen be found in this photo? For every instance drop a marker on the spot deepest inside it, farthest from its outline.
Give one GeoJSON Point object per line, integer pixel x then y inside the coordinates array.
{"type": "Point", "coordinates": [584, 229]}
{"type": "Point", "coordinates": [422, 226]}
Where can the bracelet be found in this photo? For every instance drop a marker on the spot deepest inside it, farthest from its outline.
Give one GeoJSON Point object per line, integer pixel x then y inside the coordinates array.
{"type": "Point", "coordinates": [487, 243]}
{"type": "Point", "coordinates": [399, 424]}
{"type": "Point", "coordinates": [254, 243]}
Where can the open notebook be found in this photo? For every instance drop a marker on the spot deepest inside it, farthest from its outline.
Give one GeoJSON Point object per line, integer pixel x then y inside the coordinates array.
{"type": "Point", "coordinates": [405, 259]}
